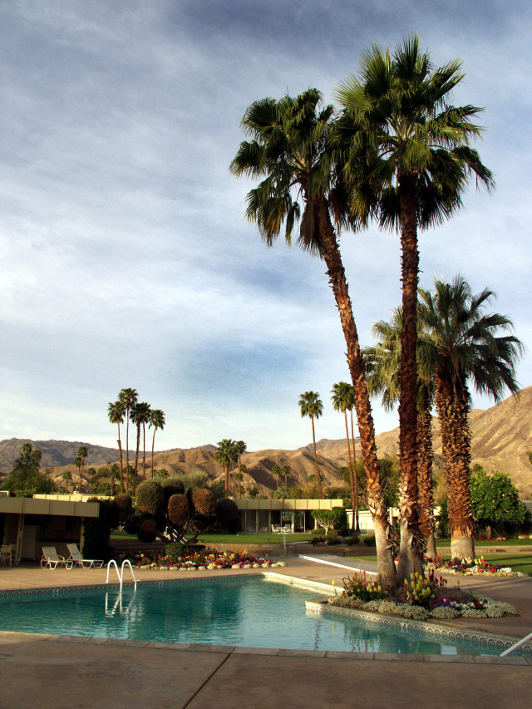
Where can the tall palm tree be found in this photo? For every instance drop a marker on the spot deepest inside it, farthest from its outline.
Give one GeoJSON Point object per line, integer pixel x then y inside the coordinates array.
{"type": "Point", "coordinates": [342, 398]}
{"type": "Point", "coordinates": [311, 405]}
{"type": "Point", "coordinates": [286, 471]}
{"type": "Point", "coordinates": [67, 477]}
{"type": "Point", "coordinates": [116, 413]}
{"type": "Point", "coordinates": [240, 447]}
{"type": "Point", "coordinates": [276, 472]}
{"type": "Point", "coordinates": [467, 349]}
{"type": "Point", "coordinates": [383, 367]}
{"type": "Point", "coordinates": [226, 454]}
{"type": "Point", "coordinates": [408, 161]}
{"type": "Point", "coordinates": [157, 421]}
{"type": "Point", "coordinates": [140, 416]}
{"type": "Point", "coordinates": [290, 148]}
{"type": "Point", "coordinates": [128, 398]}
{"type": "Point", "coordinates": [79, 461]}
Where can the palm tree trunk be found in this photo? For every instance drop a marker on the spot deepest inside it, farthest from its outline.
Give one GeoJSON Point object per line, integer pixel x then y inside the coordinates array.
{"type": "Point", "coordinates": [226, 486]}
{"type": "Point", "coordinates": [136, 458]}
{"type": "Point", "coordinates": [351, 468]}
{"type": "Point", "coordinates": [121, 461]}
{"type": "Point", "coordinates": [335, 270]}
{"type": "Point", "coordinates": [318, 475]}
{"type": "Point", "coordinates": [357, 525]}
{"type": "Point", "coordinates": [127, 450]}
{"type": "Point", "coordinates": [424, 480]}
{"type": "Point", "coordinates": [411, 553]}
{"type": "Point", "coordinates": [453, 410]}
{"type": "Point", "coordinates": [152, 449]}
{"type": "Point", "coordinates": [144, 451]}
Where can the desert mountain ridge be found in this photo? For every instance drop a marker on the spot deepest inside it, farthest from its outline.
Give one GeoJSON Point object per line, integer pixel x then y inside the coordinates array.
{"type": "Point", "coordinates": [501, 440]}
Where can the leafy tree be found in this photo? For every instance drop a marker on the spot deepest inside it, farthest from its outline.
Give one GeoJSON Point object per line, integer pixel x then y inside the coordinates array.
{"type": "Point", "coordinates": [408, 161]}
{"type": "Point", "coordinates": [466, 348]}
{"type": "Point", "coordinates": [310, 405]}
{"type": "Point", "coordinates": [25, 479]}
{"type": "Point", "coordinates": [334, 518]}
{"type": "Point", "coordinates": [116, 412]}
{"type": "Point", "coordinates": [495, 499]}
{"type": "Point", "coordinates": [127, 399]}
{"type": "Point", "coordinates": [291, 149]}
{"type": "Point", "coordinates": [276, 472]}
{"type": "Point", "coordinates": [157, 421]}
{"type": "Point", "coordinates": [226, 454]}
{"type": "Point", "coordinates": [240, 447]}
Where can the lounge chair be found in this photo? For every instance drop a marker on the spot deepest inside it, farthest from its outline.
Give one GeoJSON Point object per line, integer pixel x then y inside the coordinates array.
{"type": "Point", "coordinates": [6, 554]}
{"type": "Point", "coordinates": [52, 559]}
{"type": "Point", "coordinates": [76, 558]}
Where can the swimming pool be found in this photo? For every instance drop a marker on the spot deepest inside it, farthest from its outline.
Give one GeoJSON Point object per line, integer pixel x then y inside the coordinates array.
{"type": "Point", "coordinates": [231, 611]}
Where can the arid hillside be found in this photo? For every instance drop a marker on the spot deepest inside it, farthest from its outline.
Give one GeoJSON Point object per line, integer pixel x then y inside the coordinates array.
{"type": "Point", "coordinates": [501, 435]}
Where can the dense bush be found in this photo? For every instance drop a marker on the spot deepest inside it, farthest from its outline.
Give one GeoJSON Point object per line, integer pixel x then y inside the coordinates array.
{"type": "Point", "coordinates": [172, 486]}
{"type": "Point", "coordinates": [149, 497]}
{"type": "Point", "coordinates": [203, 501]}
{"type": "Point", "coordinates": [227, 516]}
{"type": "Point", "coordinates": [179, 510]}
{"type": "Point", "coordinates": [123, 503]}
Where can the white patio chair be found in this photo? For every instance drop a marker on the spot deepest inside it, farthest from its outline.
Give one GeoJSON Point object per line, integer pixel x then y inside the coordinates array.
{"type": "Point", "coordinates": [6, 554]}
{"type": "Point", "coordinates": [76, 558]}
{"type": "Point", "coordinates": [51, 559]}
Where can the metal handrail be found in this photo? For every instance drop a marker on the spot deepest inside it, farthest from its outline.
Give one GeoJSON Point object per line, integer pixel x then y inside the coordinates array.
{"type": "Point", "coordinates": [127, 562]}
{"type": "Point", "coordinates": [516, 645]}
{"type": "Point", "coordinates": [112, 562]}
{"type": "Point", "coordinates": [120, 573]}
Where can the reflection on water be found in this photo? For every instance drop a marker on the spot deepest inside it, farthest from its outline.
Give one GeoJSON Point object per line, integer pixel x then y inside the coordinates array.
{"type": "Point", "coordinates": [222, 611]}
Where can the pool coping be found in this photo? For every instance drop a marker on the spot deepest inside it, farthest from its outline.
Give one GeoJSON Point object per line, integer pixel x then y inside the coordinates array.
{"type": "Point", "coordinates": [501, 641]}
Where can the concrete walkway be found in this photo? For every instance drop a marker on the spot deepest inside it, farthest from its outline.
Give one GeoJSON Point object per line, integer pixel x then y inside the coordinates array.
{"type": "Point", "coordinates": [65, 672]}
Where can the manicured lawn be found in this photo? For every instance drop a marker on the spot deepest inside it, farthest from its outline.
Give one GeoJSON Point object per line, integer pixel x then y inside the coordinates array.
{"type": "Point", "coordinates": [244, 539]}
{"type": "Point", "coordinates": [490, 543]}
{"type": "Point", "coordinates": [519, 562]}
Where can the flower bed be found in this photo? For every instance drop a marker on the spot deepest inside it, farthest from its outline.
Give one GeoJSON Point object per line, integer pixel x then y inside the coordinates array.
{"type": "Point", "coordinates": [199, 561]}
{"type": "Point", "coordinates": [420, 599]}
{"type": "Point", "coordinates": [471, 567]}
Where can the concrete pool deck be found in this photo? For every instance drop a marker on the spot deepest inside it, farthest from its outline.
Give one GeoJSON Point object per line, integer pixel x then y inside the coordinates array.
{"type": "Point", "coordinates": [64, 672]}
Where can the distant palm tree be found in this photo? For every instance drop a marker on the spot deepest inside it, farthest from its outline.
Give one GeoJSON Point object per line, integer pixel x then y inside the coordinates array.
{"type": "Point", "coordinates": [67, 477]}
{"type": "Point", "coordinates": [408, 163]}
{"type": "Point", "coordinates": [241, 448]}
{"type": "Point", "coordinates": [342, 399]}
{"type": "Point", "coordinates": [466, 349]}
{"type": "Point", "coordinates": [157, 421]}
{"type": "Point", "coordinates": [116, 413]}
{"type": "Point", "coordinates": [128, 398]}
{"type": "Point", "coordinates": [310, 405]}
{"type": "Point", "coordinates": [276, 472]}
{"type": "Point", "coordinates": [140, 416]}
{"type": "Point", "coordinates": [79, 461]}
{"type": "Point", "coordinates": [286, 471]}
{"type": "Point", "coordinates": [226, 454]}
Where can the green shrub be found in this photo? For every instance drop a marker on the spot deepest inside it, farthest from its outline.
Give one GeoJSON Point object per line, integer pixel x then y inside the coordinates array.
{"type": "Point", "coordinates": [203, 501]}
{"type": "Point", "coordinates": [368, 540]}
{"type": "Point", "coordinates": [123, 504]}
{"type": "Point", "coordinates": [97, 530]}
{"type": "Point", "coordinates": [172, 486]}
{"type": "Point", "coordinates": [227, 516]}
{"type": "Point", "coordinates": [353, 539]}
{"type": "Point", "coordinates": [174, 551]}
{"type": "Point", "coordinates": [149, 497]}
{"type": "Point", "coordinates": [179, 510]}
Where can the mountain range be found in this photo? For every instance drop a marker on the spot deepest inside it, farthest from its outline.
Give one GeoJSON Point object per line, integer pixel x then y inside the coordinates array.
{"type": "Point", "coordinates": [501, 440]}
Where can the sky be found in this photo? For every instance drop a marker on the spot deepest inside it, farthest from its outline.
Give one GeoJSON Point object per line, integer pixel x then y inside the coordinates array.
{"type": "Point", "coordinates": [126, 259]}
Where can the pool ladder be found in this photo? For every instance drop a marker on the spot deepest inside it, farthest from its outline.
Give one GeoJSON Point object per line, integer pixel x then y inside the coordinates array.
{"type": "Point", "coordinates": [120, 573]}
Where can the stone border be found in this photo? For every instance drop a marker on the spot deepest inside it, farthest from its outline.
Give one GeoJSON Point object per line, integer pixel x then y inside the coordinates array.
{"type": "Point", "coordinates": [482, 639]}
{"type": "Point", "coordinates": [245, 650]}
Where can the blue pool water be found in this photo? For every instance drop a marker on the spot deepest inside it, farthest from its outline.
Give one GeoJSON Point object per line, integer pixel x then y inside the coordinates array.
{"type": "Point", "coordinates": [223, 611]}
